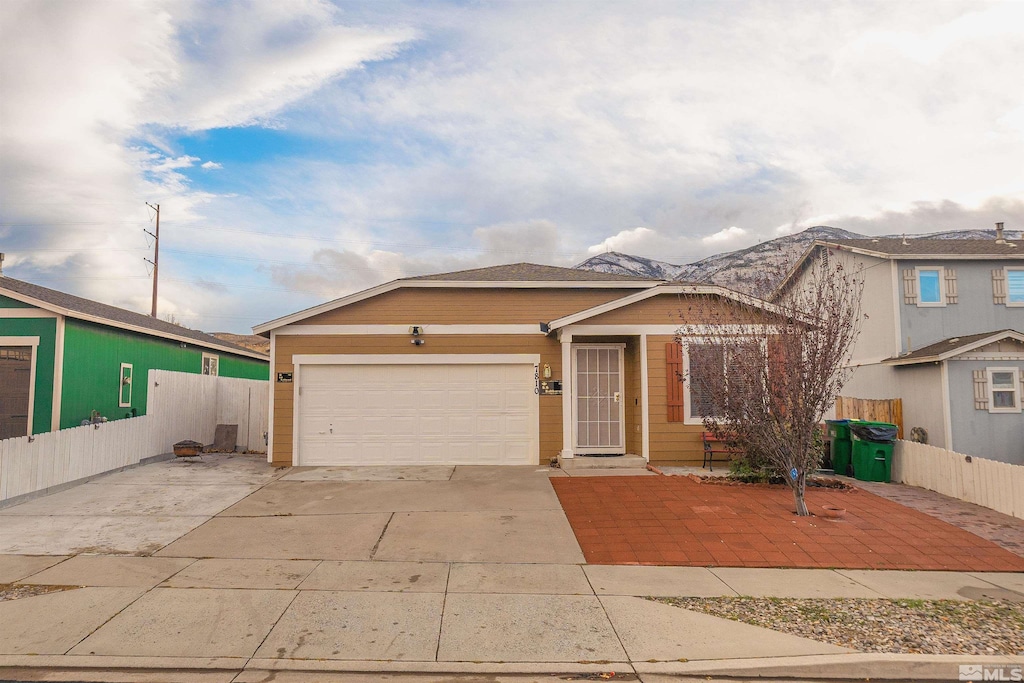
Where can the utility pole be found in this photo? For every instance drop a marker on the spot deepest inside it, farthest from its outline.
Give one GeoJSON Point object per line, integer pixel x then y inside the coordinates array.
{"type": "Point", "coordinates": [156, 253]}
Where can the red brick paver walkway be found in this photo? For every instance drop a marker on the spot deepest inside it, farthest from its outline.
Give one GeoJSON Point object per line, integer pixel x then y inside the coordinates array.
{"type": "Point", "coordinates": [676, 521]}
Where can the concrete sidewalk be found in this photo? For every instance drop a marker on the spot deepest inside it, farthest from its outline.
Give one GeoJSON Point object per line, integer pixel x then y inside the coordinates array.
{"type": "Point", "coordinates": [351, 575]}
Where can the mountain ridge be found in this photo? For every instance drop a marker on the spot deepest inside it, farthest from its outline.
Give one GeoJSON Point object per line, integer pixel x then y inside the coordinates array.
{"type": "Point", "coordinates": [745, 269]}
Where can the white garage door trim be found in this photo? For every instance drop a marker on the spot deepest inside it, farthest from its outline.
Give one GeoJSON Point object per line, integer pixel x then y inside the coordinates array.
{"type": "Point", "coordinates": [411, 359]}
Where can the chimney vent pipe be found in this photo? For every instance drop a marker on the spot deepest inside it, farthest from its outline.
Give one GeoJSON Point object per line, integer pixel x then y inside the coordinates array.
{"type": "Point", "coordinates": [999, 233]}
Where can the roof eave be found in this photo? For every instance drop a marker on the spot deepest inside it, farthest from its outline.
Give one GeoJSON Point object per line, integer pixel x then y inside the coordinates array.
{"type": "Point", "coordinates": [100, 320]}
{"type": "Point", "coordinates": [271, 325]}
{"type": "Point", "coordinates": [953, 353]}
{"type": "Point", "coordinates": [609, 306]}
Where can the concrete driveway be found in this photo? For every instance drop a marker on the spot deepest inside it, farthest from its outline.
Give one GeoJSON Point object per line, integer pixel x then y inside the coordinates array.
{"type": "Point", "coordinates": [228, 570]}
{"type": "Point", "coordinates": [239, 507]}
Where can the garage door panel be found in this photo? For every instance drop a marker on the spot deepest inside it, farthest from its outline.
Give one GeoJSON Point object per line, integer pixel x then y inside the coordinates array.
{"type": "Point", "coordinates": [409, 414]}
{"type": "Point", "coordinates": [518, 400]}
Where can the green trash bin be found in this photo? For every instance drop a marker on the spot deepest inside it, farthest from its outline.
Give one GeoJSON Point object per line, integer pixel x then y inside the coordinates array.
{"type": "Point", "coordinates": [839, 437]}
{"type": "Point", "coordinates": [871, 452]}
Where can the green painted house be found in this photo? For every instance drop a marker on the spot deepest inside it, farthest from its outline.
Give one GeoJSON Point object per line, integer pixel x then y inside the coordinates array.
{"type": "Point", "coordinates": [65, 359]}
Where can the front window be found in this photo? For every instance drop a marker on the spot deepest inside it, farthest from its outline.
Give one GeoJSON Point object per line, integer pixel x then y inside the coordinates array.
{"type": "Point", "coordinates": [707, 371]}
{"type": "Point", "coordinates": [1004, 390]}
{"type": "Point", "coordinates": [1014, 287]}
{"type": "Point", "coordinates": [713, 368]}
{"type": "Point", "coordinates": [929, 282]}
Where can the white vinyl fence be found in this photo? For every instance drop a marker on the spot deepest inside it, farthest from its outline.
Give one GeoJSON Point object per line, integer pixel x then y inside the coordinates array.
{"type": "Point", "coordinates": [995, 485]}
{"type": "Point", "coordinates": [179, 406]}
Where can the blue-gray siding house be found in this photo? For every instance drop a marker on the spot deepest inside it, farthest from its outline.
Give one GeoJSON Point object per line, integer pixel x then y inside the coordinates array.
{"type": "Point", "coordinates": [943, 330]}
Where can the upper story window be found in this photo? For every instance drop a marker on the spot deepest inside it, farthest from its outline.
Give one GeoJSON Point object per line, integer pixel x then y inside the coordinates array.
{"type": "Point", "coordinates": [929, 282]}
{"type": "Point", "coordinates": [930, 286]}
{"type": "Point", "coordinates": [1015, 286]}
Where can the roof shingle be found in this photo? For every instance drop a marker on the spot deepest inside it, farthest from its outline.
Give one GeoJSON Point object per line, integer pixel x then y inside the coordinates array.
{"type": "Point", "coordinates": [946, 346]}
{"type": "Point", "coordinates": [922, 247]}
{"type": "Point", "coordinates": [95, 309]}
{"type": "Point", "coordinates": [529, 272]}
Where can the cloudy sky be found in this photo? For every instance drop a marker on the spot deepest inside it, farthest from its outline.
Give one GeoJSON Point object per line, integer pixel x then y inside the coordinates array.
{"type": "Point", "coordinates": [304, 149]}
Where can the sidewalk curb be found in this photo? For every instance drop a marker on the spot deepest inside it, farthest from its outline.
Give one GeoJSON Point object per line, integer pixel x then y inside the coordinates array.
{"type": "Point", "coordinates": [238, 664]}
{"type": "Point", "coordinates": [859, 666]}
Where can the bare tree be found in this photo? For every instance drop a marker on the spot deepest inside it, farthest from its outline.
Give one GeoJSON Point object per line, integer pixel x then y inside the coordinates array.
{"type": "Point", "coordinates": [763, 375]}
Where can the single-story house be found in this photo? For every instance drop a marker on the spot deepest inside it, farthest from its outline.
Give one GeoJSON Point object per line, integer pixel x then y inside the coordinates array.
{"type": "Point", "coordinates": [513, 364]}
{"type": "Point", "coordinates": [65, 359]}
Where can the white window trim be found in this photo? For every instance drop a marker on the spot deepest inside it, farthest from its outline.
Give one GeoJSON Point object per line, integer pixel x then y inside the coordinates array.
{"type": "Point", "coordinates": [120, 379]}
{"type": "Point", "coordinates": [1006, 275]}
{"type": "Point", "coordinates": [202, 367]}
{"type": "Point", "coordinates": [1015, 386]}
{"type": "Point", "coordinates": [921, 303]}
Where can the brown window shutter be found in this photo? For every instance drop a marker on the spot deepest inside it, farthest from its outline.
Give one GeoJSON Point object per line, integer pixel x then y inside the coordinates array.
{"type": "Point", "coordinates": [951, 292]}
{"type": "Point", "coordinates": [980, 390]}
{"type": "Point", "coordinates": [999, 286]}
{"type": "Point", "coordinates": [674, 381]}
{"type": "Point", "coordinates": [909, 286]}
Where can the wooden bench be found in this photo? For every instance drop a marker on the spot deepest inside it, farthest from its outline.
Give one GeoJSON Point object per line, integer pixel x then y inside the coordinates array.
{"type": "Point", "coordinates": [714, 446]}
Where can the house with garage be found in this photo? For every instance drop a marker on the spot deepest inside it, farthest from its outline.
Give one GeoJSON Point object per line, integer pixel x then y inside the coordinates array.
{"type": "Point", "coordinates": [515, 364]}
{"type": "Point", "coordinates": [943, 330]}
{"type": "Point", "coordinates": [65, 359]}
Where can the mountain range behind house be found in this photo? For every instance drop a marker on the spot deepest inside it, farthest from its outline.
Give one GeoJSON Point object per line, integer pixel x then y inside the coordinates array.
{"type": "Point", "coordinates": [757, 267]}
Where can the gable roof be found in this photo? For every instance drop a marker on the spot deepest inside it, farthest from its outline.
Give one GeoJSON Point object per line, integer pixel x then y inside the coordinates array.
{"type": "Point", "coordinates": [921, 248]}
{"type": "Point", "coordinates": [95, 312]}
{"type": "Point", "coordinates": [895, 248]}
{"type": "Point", "coordinates": [665, 288]}
{"type": "Point", "coordinates": [511, 276]}
{"type": "Point", "coordinates": [528, 272]}
{"type": "Point", "coordinates": [954, 346]}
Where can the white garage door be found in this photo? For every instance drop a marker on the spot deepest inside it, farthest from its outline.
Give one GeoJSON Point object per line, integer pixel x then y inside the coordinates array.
{"type": "Point", "coordinates": [382, 414]}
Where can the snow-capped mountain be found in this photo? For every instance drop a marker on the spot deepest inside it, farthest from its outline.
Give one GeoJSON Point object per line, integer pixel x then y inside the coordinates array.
{"type": "Point", "coordinates": [746, 269]}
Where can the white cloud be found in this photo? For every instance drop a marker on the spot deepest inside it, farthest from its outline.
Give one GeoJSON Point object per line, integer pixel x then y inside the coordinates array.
{"type": "Point", "coordinates": [85, 81]}
{"type": "Point", "coordinates": [555, 126]}
{"type": "Point", "coordinates": [731, 234]}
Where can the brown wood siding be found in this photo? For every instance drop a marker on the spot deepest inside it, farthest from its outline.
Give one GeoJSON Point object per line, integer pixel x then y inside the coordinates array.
{"type": "Point", "coordinates": [286, 346]}
{"type": "Point", "coordinates": [667, 309]}
{"type": "Point", "coordinates": [467, 306]}
{"type": "Point", "coordinates": [671, 442]}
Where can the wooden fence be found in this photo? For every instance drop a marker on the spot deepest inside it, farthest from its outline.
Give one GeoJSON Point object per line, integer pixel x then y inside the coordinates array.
{"type": "Point", "coordinates": [877, 410]}
{"type": "Point", "coordinates": [995, 485]}
{"type": "Point", "coordinates": [180, 406]}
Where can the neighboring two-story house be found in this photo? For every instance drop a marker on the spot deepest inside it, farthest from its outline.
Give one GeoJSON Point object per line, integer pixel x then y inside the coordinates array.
{"type": "Point", "coordinates": [943, 329]}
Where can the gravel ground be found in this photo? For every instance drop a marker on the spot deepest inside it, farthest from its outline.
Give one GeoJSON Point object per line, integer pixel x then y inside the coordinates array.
{"type": "Point", "coordinates": [940, 627]}
{"type": "Point", "coordinates": [13, 591]}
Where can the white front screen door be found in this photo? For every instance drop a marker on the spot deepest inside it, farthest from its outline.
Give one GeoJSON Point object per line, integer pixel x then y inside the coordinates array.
{"type": "Point", "coordinates": [599, 404]}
